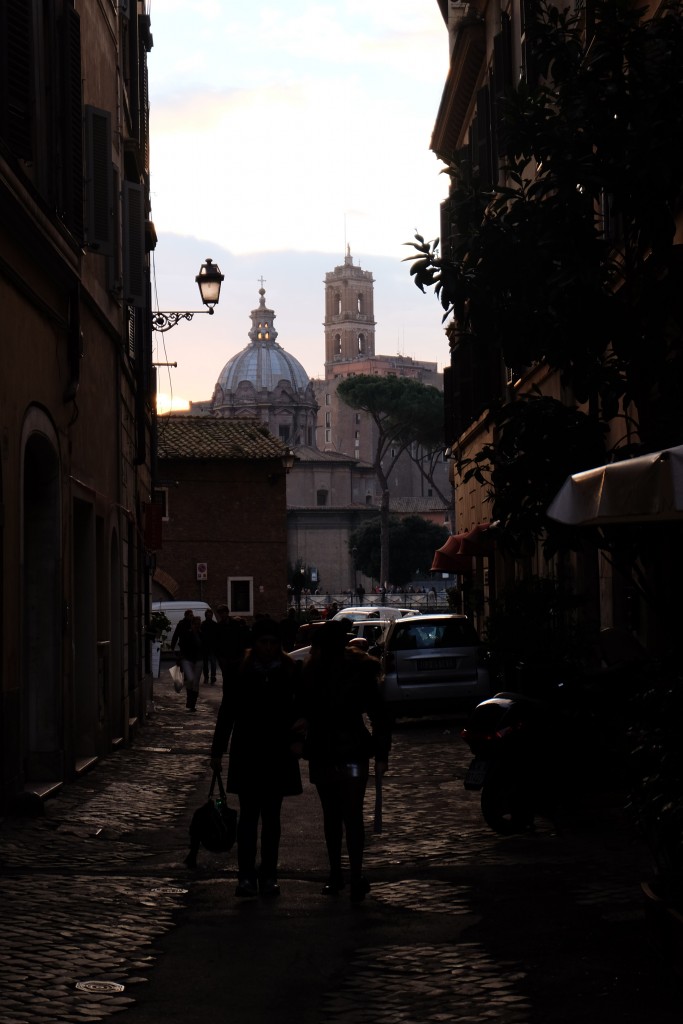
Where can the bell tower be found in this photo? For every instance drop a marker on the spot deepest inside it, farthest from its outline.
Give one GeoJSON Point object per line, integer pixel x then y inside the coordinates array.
{"type": "Point", "coordinates": [349, 313]}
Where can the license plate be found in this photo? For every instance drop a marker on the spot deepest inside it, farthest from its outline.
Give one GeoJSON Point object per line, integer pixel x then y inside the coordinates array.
{"type": "Point", "coordinates": [436, 664]}
{"type": "Point", "coordinates": [476, 773]}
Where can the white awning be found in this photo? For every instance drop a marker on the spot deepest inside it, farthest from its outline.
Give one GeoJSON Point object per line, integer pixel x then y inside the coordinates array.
{"type": "Point", "coordinates": [645, 489]}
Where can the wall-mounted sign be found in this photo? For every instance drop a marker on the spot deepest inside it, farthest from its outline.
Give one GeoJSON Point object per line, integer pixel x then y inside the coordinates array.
{"type": "Point", "coordinates": [202, 570]}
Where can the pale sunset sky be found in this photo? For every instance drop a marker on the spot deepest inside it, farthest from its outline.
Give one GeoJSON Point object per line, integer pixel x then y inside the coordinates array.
{"type": "Point", "coordinates": [280, 132]}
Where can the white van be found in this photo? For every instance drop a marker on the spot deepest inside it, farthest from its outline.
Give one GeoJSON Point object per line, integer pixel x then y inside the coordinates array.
{"type": "Point", "coordinates": [174, 611]}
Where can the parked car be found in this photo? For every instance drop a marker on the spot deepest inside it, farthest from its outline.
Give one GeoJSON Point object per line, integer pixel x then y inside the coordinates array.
{"type": "Point", "coordinates": [433, 663]}
{"type": "Point", "coordinates": [371, 630]}
{"type": "Point", "coordinates": [372, 611]}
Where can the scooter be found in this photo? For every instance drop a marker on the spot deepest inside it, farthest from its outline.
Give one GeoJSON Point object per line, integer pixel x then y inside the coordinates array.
{"type": "Point", "coordinates": [520, 760]}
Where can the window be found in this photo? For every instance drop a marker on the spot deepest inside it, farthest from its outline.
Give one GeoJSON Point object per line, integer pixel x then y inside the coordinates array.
{"type": "Point", "coordinates": [328, 419]}
{"type": "Point", "coordinates": [360, 303]}
{"type": "Point", "coordinates": [328, 437]}
{"type": "Point", "coordinates": [337, 344]}
{"type": "Point", "coordinates": [337, 303]}
{"type": "Point", "coordinates": [361, 344]}
{"type": "Point", "coordinates": [321, 497]}
{"type": "Point", "coordinates": [327, 399]}
{"type": "Point", "coordinates": [241, 595]}
{"type": "Point", "coordinates": [284, 431]}
{"type": "Point", "coordinates": [160, 497]}
{"type": "Point", "coordinates": [357, 435]}
{"type": "Point", "coordinates": [357, 417]}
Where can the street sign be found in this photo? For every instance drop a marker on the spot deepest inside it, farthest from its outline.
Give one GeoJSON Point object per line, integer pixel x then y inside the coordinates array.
{"type": "Point", "coordinates": [202, 570]}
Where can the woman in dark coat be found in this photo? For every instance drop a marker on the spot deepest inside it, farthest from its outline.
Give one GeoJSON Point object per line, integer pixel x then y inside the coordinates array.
{"type": "Point", "coordinates": [340, 686]}
{"type": "Point", "coordinates": [258, 718]}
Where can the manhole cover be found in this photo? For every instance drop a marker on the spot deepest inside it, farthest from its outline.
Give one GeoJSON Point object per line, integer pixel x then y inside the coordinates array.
{"type": "Point", "coordinates": [169, 890]}
{"type": "Point", "coordinates": [99, 986]}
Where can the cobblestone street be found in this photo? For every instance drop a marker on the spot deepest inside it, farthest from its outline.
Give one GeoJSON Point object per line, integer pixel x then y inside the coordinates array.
{"type": "Point", "coordinates": [100, 915]}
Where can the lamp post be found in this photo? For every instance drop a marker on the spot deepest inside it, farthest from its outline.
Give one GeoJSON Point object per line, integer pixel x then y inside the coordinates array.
{"type": "Point", "coordinates": [209, 280]}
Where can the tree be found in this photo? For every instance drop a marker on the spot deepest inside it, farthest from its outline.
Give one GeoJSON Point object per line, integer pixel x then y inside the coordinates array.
{"type": "Point", "coordinates": [574, 262]}
{"type": "Point", "coordinates": [404, 411]}
{"type": "Point", "coordinates": [412, 543]}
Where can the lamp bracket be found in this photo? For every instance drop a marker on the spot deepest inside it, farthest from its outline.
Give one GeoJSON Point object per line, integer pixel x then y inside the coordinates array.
{"type": "Point", "coordinates": [165, 321]}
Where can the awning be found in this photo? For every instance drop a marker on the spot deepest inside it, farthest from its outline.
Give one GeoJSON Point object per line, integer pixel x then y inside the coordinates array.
{"type": "Point", "coordinates": [648, 488]}
{"type": "Point", "coordinates": [457, 553]}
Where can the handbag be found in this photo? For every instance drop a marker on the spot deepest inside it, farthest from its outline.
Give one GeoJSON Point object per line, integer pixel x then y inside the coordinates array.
{"type": "Point", "coordinates": [176, 674]}
{"type": "Point", "coordinates": [213, 825]}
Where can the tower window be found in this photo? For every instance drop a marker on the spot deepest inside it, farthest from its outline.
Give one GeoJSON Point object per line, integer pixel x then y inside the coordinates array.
{"type": "Point", "coordinates": [337, 344]}
{"type": "Point", "coordinates": [361, 343]}
{"type": "Point", "coordinates": [337, 303]}
{"type": "Point", "coordinates": [328, 419]}
{"type": "Point", "coordinates": [360, 303]}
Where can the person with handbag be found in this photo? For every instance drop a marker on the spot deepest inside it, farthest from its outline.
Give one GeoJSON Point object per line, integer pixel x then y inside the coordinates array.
{"type": "Point", "coordinates": [339, 686]}
{"type": "Point", "coordinates": [259, 719]}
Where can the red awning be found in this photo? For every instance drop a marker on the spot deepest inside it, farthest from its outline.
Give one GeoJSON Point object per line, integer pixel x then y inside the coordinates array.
{"type": "Point", "coordinates": [457, 553]}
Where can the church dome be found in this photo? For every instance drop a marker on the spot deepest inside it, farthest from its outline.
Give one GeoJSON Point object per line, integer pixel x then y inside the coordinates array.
{"type": "Point", "coordinates": [263, 363]}
{"type": "Point", "coordinates": [265, 383]}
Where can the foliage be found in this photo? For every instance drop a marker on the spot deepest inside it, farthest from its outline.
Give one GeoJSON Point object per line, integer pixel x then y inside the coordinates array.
{"type": "Point", "coordinates": [540, 441]}
{"type": "Point", "coordinates": [535, 622]}
{"type": "Point", "coordinates": [656, 798]}
{"type": "Point", "coordinates": [574, 261]}
{"type": "Point", "coordinates": [404, 411]}
{"type": "Point", "coordinates": [159, 625]}
{"type": "Point", "coordinates": [412, 543]}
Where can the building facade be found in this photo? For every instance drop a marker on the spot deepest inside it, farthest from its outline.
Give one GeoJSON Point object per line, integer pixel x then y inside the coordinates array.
{"type": "Point", "coordinates": [76, 392]}
{"type": "Point", "coordinates": [332, 488]}
{"type": "Point", "coordinates": [221, 484]}
{"type": "Point", "coordinates": [494, 46]}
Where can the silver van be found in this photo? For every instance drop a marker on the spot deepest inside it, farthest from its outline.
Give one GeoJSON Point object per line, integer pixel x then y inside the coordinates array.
{"type": "Point", "coordinates": [433, 663]}
{"type": "Point", "coordinates": [174, 611]}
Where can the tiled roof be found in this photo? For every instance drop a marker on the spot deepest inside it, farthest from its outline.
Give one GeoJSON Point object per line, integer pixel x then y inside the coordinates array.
{"type": "Point", "coordinates": [201, 437]}
{"type": "Point", "coordinates": [305, 453]}
{"type": "Point", "coordinates": [418, 506]}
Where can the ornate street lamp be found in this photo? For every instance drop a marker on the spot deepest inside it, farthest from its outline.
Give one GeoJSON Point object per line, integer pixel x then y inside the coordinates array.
{"type": "Point", "coordinates": [209, 280]}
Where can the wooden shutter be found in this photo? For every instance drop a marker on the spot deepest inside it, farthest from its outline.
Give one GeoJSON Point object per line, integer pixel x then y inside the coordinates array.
{"type": "Point", "coordinates": [16, 91]}
{"type": "Point", "coordinates": [99, 199]}
{"type": "Point", "coordinates": [72, 180]}
{"type": "Point", "coordinates": [134, 277]}
{"type": "Point", "coordinates": [484, 137]}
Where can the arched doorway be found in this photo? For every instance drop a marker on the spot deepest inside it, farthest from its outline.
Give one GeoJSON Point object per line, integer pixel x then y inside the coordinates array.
{"type": "Point", "coordinates": [41, 610]}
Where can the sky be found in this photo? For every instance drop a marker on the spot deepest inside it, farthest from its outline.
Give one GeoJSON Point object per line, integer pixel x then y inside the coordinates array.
{"type": "Point", "coordinates": [280, 133]}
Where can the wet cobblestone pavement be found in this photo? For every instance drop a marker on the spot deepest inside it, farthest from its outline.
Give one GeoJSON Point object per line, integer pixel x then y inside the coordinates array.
{"type": "Point", "coordinates": [101, 917]}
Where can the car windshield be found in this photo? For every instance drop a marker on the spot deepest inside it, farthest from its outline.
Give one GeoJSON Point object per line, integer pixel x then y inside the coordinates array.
{"type": "Point", "coordinates": [429, 635]}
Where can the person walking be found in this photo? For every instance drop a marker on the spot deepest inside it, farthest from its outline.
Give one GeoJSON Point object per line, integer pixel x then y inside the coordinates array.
{"type": "Point", "coordinates": [191, 659]}
{"type": "Point", "coordinates": [339, 685]}
{"type": "Point", "coordinates": [231, 640]}
{"type": "Point", "coordinates": [208, 631]}
{"type": "Point", "coordinates": [259, 720]}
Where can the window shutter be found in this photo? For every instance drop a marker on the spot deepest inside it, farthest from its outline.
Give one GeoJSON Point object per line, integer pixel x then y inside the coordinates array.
{"type": "Point", "coordinates": [501, 85]}
{"type": "Point", "coordinates": [73, 192]}
{"type": "Point", "coordinates": [100, 221]}
{"type": "Point", "coordinates": [134, 279]}
{"type": "Point", "coordinates": [484, 137]}
{"type": "Point", "coordinates": [15, 77]}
